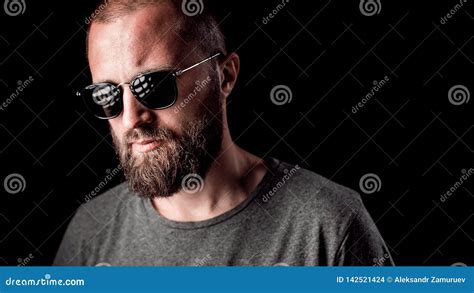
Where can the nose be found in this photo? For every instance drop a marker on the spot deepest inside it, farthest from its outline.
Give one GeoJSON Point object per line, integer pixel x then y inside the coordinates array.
{"type": "Point", "coordinates": [134, 113]}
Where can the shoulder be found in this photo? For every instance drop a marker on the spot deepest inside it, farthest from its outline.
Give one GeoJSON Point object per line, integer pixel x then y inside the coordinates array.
{"type": "Point", "coordinates": [92, 223]}
{"type": "Point", "coordinates": [330, 214]}
{"type": "Point", "coordinates": [313, 194]}
{"type": "Point", "coordinates": [109, 203]}
{"type": "Point", "coordinates": [102, 212]}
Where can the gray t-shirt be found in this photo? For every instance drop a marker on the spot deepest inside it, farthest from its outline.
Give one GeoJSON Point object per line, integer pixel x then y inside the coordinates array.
{"type": "Point", "coordinates": [294, 217]}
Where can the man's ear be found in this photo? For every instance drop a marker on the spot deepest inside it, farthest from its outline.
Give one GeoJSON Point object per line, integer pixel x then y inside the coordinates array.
{"type": "Point", "coordinates": [228, 72]}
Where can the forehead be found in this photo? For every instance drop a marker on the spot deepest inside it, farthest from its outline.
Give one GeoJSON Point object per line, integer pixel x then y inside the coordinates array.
{"type": "Point", "coordinates": [135, 42]}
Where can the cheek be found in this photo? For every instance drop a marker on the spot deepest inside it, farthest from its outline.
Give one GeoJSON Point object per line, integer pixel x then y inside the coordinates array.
{"type": "Point", "coordinates": [171, 118]}
{"type": "Point", "coordinates": [192, 94]}
{"type": "Point", "coordinates": [115, 129]}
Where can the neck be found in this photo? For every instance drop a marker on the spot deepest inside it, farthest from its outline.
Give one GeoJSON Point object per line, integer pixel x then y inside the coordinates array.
{"type": "Point", "coordinates": [230, 180]}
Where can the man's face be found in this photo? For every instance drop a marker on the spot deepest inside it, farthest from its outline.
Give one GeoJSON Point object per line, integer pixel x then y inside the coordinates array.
{"type": "Point", "coordinates": [158, 148]}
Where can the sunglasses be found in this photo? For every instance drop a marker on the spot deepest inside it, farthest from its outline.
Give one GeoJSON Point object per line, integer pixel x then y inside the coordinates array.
{"type": "Point", "coordinates": [155, 90]}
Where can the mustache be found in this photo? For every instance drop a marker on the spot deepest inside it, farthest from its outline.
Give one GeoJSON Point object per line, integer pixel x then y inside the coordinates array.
{"type": "Point", "coordinates": [148, 133]}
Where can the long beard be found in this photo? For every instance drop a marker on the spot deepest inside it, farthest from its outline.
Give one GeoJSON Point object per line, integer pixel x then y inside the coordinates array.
{"type": "Point", "coordinates": [162, 172]}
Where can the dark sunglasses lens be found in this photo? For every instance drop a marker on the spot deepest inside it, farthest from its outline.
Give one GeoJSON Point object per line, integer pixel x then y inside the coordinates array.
{"type": "Point", "coordinates": [103, 100]}
{"type": "Point", "coordinates": [155, 90]}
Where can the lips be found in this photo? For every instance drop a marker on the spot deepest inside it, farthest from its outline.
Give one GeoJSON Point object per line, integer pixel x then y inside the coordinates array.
{"type": "Point", "coordinates": [144, 146]}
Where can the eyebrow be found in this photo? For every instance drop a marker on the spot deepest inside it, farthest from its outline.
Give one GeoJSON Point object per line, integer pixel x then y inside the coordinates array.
{"type": "Point", "coordinates": [146, 71]}
{"type": "Point", "coordinates": [155, 69]}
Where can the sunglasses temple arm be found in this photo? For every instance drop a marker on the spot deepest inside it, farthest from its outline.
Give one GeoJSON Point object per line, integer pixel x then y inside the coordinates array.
{"type": "Point", "coordinates": [179, 72]}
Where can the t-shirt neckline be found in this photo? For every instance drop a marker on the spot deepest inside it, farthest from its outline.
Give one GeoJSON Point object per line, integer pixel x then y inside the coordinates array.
{"type": "Point", "coordinates": [272, 168]}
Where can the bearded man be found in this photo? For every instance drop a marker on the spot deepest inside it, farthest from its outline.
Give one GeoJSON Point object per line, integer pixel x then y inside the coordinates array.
{"type": "Point", "coordinates": [192, 196]}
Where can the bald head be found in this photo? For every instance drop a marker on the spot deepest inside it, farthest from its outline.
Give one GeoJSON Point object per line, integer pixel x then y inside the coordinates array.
{"type": "Point", "coordinates": [200, 31]}
{"type": "Point", "coordinates": [139, 41]}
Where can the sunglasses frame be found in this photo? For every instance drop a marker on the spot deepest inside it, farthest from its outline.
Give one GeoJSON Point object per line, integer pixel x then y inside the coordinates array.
{"type": "Point", "coordinates": [174, 73]}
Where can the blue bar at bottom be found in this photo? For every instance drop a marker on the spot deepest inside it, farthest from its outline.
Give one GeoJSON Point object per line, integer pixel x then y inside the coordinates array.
{"type": "Point", "coordinates": [237, 279]}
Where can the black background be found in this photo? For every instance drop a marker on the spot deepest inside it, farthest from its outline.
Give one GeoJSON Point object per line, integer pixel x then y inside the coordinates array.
{"type": "Point", "coordinates": [327, 52]}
